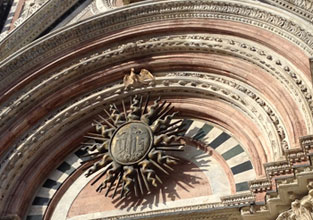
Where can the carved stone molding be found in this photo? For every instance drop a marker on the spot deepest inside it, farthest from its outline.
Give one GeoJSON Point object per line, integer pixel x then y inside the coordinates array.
{"type": "Point", "coordinates": [28, 29]}
{"type": "Point", "coordinates": [69, 115]}
{"type": "Point", "coordinates": [259, 15]}
{"type": "Point", "coordinates": [302, 8]}
{"type": "Point", "coordinates": [241, 50]}
{"type": "Point", "coordinates": [217, 44]}
{"type": "Point", "coordinates": [280, 130]}
{"type": "Point", "coordinates": [84, 65]}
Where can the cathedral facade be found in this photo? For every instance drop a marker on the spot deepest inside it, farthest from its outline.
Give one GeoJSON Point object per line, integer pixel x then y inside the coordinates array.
{"type": "Point", "coordinates": [156, 109]}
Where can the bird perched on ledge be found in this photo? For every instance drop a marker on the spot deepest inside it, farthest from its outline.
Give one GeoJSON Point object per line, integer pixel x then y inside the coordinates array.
{"type": "Point", "coordinates": [136, 79]}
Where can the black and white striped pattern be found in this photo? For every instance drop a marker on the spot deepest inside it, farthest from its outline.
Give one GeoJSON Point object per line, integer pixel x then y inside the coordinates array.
{"type": "Point", "coordinates": [52, 184]}
{"type": "Point", "coordinates": [228, 147]}
{"type": "Point", "coordinates": [225, 145]}
{"type": "Point", "coordinates": [10, 16]}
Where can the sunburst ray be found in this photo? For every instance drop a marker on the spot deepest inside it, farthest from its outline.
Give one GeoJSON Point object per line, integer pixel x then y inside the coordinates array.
{"type": "Point", "coordinates": [130, 146]}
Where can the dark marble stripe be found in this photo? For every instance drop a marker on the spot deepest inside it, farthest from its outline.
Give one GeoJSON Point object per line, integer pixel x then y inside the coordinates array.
{"type": "Point", "coordinates": [80, 153]}
{"type": "Point", "coordinates": [242, 167]}
{"type": "Point", "coordinates": [66, 168]}
{"type": "Point", "coordinates": [34, 217]}
{"type": "Point", "coordinates": [41, 201]}
{"type": "Point", "coordinates": [202, 132]}
{"type": "Point", "coordinates": [185, 125]}
{"type": "Point", "coordinates": [51, 184]}
{"type": "Point", "coordinates": [232, 152]}
{"type": "Point", "coordinates": [219, 140]}
{"type": "Point", "coordinates": [243, 186]}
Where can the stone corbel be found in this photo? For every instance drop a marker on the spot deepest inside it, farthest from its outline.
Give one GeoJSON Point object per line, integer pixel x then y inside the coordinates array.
{"type": "Point", "coordinates": [300, 209]}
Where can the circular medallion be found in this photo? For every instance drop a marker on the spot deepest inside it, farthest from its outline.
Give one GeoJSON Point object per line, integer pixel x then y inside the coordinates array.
{"type": "Point", "coordinates": [131, 142]}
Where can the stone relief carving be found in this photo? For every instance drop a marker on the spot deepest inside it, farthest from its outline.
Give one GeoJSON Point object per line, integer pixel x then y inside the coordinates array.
{"type": "Point", "coordinates": [300, 83]}
{"type": "Point", "coordinates": [302, 8]}
{"type": "Point", "coordinates": [30, 29]}
{"type": "Point", "coordinates": [300, 209]}
{"type": "Point", "coordinates": [136, 79]}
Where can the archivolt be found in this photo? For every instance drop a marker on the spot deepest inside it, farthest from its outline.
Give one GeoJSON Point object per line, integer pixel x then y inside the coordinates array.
{"type": "Point", "coordinates": [187, 88]}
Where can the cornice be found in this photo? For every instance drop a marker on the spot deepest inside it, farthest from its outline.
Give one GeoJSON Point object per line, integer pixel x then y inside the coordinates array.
{"type": "Point", "coordinates": [286, 181]}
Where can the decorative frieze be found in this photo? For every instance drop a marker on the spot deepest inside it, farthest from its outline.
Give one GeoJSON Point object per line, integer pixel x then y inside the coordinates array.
{"type": "Point", "coordinates": [278, 168]}
{"type": "Point", "coordinates": [234, 11]}
{"type": "Point", "coordinates": [302, 8]}
{"type": "Point", "coordinates": [28, 29]}
{"type": "Point", "coordinates": [205, 44]}
{"type": "Point", "coordinates": [296, 156]}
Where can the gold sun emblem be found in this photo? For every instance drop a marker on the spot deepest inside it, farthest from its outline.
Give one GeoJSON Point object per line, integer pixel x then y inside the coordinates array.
{"type": "Point", "coordinates": [132, 145]}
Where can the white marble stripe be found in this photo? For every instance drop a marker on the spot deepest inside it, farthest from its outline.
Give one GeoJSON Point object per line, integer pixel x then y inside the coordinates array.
{"type": "Point", "coordinates": [37, 210]}
{"type": "Point", "coordinates": [194, 128]}
{"type": "Point", "coordinates": [214, 172]}
{"type": "Point", "coordinates": [58, 176]}
{"type": "Point", "coordinates": [210, 167]}
{"type": "Point", "coordinates": [245, 176]}
{"type": "Point", "coordinates": [227, 145]}
{"type": "Point", "coordinates": [214, 133]}
{"type": "Point", "coordinates": [74, 161]}
{"type": "Point", "coordinates": [46, 192]}
{"type": "Point", "coordinates": [175, 120]}
{"type": "Point", "coordinates": [238, 159]}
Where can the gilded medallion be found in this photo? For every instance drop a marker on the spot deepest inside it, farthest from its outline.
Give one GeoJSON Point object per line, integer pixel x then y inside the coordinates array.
{"type": "Point", "coordinates": [131, 143]}
{"type": "Point", "coordinates": [131, 146]}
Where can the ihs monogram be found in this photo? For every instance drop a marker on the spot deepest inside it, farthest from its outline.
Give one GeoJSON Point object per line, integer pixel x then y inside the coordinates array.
{"type": "Point", "coordinates": [131, 146]}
